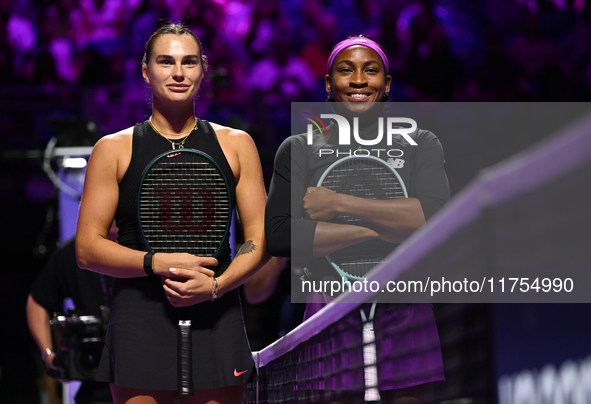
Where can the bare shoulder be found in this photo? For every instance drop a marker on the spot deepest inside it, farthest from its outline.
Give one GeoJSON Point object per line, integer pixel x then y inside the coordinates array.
{"type": "Point", "coordinates": [227, 133]}
{"type": "Point", "coordinates": [113, 151]}
{"type": "Point", "coordinates": [238, 147]}
{"type": "Point", "coordinates": [115, 141]}
{"type": "Point", "coordinates": [234, 141]}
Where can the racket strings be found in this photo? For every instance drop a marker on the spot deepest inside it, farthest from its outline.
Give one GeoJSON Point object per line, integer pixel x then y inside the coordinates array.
{"type": "Point", "coordinates": [359, 259]}
{"type": "Point", "coordinates": [363, 178]}
{"type": "Point", "coordinates": [184, 205]}
{"type": "Point", "coordinates": [369, 179]}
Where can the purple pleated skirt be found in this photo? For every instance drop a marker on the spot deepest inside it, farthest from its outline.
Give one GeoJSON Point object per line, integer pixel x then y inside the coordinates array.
{"type": "Point", "coordinates": [407, 348]}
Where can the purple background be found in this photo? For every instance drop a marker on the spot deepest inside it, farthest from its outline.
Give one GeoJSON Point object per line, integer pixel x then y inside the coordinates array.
{"type": "Point", "coordinates": [81, 59]}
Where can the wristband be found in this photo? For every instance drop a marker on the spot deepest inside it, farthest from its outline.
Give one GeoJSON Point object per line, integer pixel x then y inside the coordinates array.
{"type": "Point", "coordinates": [214, 288]}
{"type": "Point", "coordinates": [46, 353]}
{"type": "Point", "coordinates": [149, 264]}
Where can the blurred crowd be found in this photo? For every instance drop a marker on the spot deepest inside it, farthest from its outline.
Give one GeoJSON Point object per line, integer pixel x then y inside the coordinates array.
{"type": "Point", "coordinates": [64, 58]}
{"type": "Point", "coordinates": [276, 50]}
{"type": "Point", "coordinates": [81, 58]}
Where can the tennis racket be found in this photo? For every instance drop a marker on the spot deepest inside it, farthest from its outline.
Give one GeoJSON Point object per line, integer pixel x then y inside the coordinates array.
{"type": "Point", "coordinates": [184, 206]}
{"type": "Point", "coordinates": [370, 178]}
{"type": "Point", "coordinates": [365, 177]}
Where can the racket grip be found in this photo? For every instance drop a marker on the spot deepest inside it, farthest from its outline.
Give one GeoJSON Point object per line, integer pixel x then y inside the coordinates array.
{"type": "Point", "coordinates": [185, 354]}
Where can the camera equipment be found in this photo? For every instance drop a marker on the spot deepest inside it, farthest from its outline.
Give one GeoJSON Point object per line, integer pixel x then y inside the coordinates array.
{"type": "Point", "coordinates": [79, 341]}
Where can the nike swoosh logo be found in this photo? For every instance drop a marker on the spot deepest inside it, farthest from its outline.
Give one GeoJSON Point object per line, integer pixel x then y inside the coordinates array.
{"type": "Point", "coordinates": [239, 373]}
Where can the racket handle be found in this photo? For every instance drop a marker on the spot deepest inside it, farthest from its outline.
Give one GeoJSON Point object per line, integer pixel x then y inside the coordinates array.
{"type": "Point", "coordinates": [185, 366]}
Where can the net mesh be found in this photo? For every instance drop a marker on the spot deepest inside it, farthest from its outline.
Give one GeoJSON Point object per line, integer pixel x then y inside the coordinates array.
{"type": "Point", "coordinates": [341, 362]}
{"type": "Point", "coordinates": [515, 216]}
{"type": "Point", "coordinates": [322, 369]}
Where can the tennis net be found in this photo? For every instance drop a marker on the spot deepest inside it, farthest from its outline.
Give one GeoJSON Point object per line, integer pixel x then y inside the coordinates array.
{"type": "Point", "coordinates": [528, 215]}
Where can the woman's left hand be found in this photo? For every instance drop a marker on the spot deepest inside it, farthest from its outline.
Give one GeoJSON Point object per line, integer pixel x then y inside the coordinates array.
{"type": "Point", "coordinates": [319, 203]}
{"type": "Point", "coordinates": [195, 286]}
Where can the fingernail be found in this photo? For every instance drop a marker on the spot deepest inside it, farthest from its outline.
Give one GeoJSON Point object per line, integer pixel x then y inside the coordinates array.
{"type": "Point", "coordinates": [173, 270]}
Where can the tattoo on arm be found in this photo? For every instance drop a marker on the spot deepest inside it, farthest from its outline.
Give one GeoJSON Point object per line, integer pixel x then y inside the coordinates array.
{"type": "Point", "coordinates": [246, 248]}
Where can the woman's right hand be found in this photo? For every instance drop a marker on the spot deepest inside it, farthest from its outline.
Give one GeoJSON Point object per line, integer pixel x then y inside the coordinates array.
{"type": "Point", "coordinates": [163, 263]}
{"type": "Point", "coordinates": [185, 279]}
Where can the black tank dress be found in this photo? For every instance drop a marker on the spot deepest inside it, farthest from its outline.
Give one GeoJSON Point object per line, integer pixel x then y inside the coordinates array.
{"type": "Point", "coordinates": [141, 342]}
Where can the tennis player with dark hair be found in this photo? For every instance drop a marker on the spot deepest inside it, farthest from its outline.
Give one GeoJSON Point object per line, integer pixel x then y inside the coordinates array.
{"type": "Point", "coordinates": [140, 355]}
{"type": "Point", "coordinates": [358, 81]}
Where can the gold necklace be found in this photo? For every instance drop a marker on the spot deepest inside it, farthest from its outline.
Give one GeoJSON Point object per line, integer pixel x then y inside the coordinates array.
{"type": "Point", "coordinates": [179, 143]}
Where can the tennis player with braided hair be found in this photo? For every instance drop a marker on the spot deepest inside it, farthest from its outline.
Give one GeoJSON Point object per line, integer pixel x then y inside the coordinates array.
{"type": "Point", "coordinates": [357, 80]}
{"type": "Point", "coordinates": [140, 355]}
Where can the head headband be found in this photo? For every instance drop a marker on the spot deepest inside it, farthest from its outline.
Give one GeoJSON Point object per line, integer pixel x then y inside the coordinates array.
{"type": "Point", "coordinates": [358, 40]}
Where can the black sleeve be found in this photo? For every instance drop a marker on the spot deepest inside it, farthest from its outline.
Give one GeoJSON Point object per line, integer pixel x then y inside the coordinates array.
{"type": "Point", "coordinates": [49, 289]}
{"type": "Point", "coordinates": [431, 187]}
{"type": "Point", "coordinates": [288, 234]}
{"type": "Point", "coordinates": [62, 278]}
{"type": "Point", "coordinates": [283, 214]}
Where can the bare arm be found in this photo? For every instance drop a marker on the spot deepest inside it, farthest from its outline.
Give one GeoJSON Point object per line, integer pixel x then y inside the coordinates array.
{"type": "Point", "coordinates": [38, 321]}
{"type": "Point", "coordinates": [396, 218]}
{"type": "Point", "coordinates": [330, 237]}
{"type": "Point", "coordinates": [285, 211]}
{"type": "Point", "coordinates": [107, 165]}
{"type": "Point", "coordinates": [250, 201]}
{"type": "Point", "coordinates": [264, 282]}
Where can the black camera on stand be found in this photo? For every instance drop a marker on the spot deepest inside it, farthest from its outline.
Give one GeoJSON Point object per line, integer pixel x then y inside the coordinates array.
{"type": "Point", "coordinates": [78, 342]}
